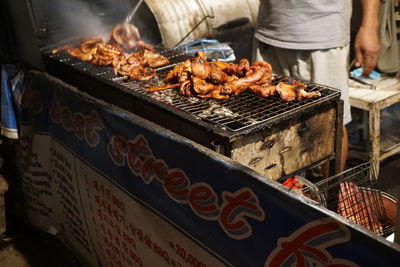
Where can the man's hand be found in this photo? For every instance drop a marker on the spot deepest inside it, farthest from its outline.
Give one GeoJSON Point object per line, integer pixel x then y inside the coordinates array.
{"type": "Point", "coordinates": [367, 40]}
{"type": "Point", "coordinates": [366, 49]}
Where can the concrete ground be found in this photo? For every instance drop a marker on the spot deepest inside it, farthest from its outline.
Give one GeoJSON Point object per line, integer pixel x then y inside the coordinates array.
{"type": "Point", "coordinates": [24, 246]}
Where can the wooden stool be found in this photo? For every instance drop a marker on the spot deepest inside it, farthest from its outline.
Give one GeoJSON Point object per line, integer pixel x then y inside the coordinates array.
{"type": "Point", "coordinates": [372, 101]}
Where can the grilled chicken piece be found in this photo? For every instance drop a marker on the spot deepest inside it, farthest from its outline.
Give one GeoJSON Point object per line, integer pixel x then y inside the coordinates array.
{"type": "Point", "coordinates": [179, 71]}
{"type": "Point", "coordinates": [151, 58]}
{"type": "Point", "coordinates": [141, 73]}
{"type": "Point", "coordinates": [290, 89]}
{"type": "Point", "coordinates": [243, 67]}
{"type": "Point", "coordinates": [105, 55]}
{"type": "Point", "coordinates": [200, 57]}
{"type": "Point", "coordinates": [128, 65]}
{"type": "Point", "coordinates": [89, 44]}
{"type": "Point", "coordinates": [286, 90]}
{"type": "Point", "coordinates": [210, 72]}
{"type": "Point", "coordinates": [303, 94]}
{"type": "Point", "coordinates": [264, 90]}
{"type": "Point", "coordinates": [216, 93]}
{"type": "Point", "coordinates": [218, 76]}
{"type": "Point", "coordinates": [121, 66]}
{"type": "Point", "coordinates": [201, 70]}
{"type": "Point", "coordinates": [164, 87]}
{"type": "Point", "coordinates": [227, 67]}
{"type": "Point", "coordinates": [185, 88]}
{"type": "Point", "coordinates": [126, 35]}
{"type": "Point", "coordinates": [85, 45]}
{"type": "Point", "coordinates": [238, 86]}
{"type": "Point", "coordinates": [93, 50]}
{"type": "Point", "coordinates": [201, 87]}
{"type": "Point", "coordinates": [84, 52]}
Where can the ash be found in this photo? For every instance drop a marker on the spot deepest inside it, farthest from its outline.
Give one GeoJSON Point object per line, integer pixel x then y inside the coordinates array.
{"type": "Point", "coordinates": [165, 96]}
{"type": "Point", "coordinates": [216, 109]}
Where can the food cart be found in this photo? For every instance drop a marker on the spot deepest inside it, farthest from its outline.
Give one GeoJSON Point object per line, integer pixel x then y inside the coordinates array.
{"type": "Point", "coordinates": [128, 178]}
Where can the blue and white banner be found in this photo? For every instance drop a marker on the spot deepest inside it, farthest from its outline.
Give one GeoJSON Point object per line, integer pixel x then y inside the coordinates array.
{"type": "Point", "coordinates": [122, 191]}
{"type": "Point", "coordinates": [9, 127]}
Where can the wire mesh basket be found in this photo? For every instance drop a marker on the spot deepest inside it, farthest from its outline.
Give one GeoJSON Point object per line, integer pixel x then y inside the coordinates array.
{"type": "Point", "coordinates": [356, 195]}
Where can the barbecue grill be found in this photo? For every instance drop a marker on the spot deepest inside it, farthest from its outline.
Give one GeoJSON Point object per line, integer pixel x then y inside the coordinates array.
{"type": "Point", "coordinates": [274, 137]}
{"type": "Point", "coordinates": [271, 136]}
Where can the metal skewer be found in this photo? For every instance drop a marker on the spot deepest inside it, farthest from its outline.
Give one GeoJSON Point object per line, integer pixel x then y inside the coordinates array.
{"type": "Point", "coordinates": [131, 13]}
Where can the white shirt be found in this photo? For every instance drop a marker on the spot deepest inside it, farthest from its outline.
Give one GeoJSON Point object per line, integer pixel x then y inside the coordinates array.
{"type": "Point", "coordinates": [304, 24]}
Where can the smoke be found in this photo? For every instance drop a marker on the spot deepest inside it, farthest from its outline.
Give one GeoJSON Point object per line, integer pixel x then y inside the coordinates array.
{"type": "Point", "coordinates": [71, 19]}
{"type": "Point", "coordinates": [75, 18]}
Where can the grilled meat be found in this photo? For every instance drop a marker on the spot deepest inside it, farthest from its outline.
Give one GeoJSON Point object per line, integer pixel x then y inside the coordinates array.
{"type": "Point", "coordinates": [137, 66]}
{"type": "Point", "coordinates": [264, 90]}
{"type": "Point", "coordinates": [359, 206]}
{"type": "Point", "coordinates": [85, 51]}
{"type": "Point", "coordinates": [142, 73]}
{"type": "Point", "coordinates": [201, 87]}
{"type": "Point", "coordinates": [132, 66]}
{"type": "Point", "coordinates": [216, 93]}
{"type": "Point", "coordinates": [164, 87]}
{"type": "Point", "coordinates": [105, 54]}
{"type": "Point", "coordinates": [290, 89]}
{"type": "Point", "coordinates": [126, 35]}
{"type": "Point", "coordinates": [220, 80]}
{"type": "Point", "coordinates": [150, 58]}
{"type": "Point", "coordinates": [286, 90]}
{"type": "Point", "coordinates": [201, 70]}
{"type": "Point", "coordinates": [238, 86]}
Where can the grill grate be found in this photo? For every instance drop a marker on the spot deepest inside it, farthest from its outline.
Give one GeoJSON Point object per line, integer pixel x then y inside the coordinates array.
{"type": "Point", "coordinates": [236, 114]}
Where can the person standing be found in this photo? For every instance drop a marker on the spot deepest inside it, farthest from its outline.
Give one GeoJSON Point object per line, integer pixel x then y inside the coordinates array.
{"type": "Point", "coordinates": [310, 40]}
